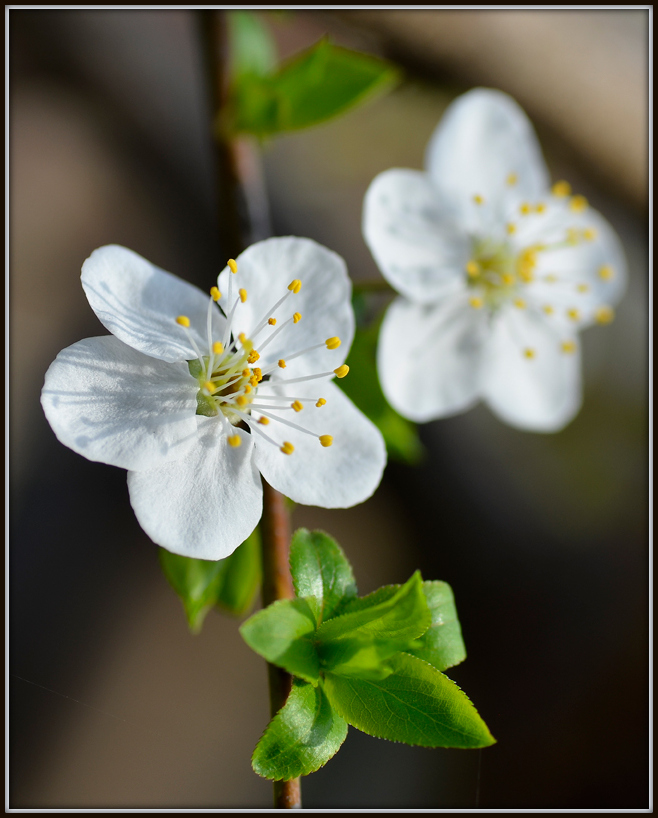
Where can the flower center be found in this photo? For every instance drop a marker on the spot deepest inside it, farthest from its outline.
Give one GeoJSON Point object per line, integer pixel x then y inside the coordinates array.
{"type": "Point", "coordinates": [229, 379]}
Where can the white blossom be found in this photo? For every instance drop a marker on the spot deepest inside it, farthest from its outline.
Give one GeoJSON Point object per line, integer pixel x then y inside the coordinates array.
{"type": "Point", "coordinates": [197, 394]}
{"type": "Point", "coordinates": [497, 272]}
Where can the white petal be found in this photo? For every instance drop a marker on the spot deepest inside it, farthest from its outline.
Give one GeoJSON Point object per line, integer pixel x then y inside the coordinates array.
{"type": "Point", "coordinates": [340, 476]}
{"type": "Point", "coordinates": [265, 270]}
{"type": "Point", "coordinates": [483, 137]}
{"type": "Point", "coordinates": [542, 393]}
{"type": "Point", "coordinates": [206, 504]}
{"type": "Point", "coordinates": [428, 358]}
{"type": "Point", "coordinates": [115, 405]}
{"type": "Point", "coordinates": [580, 285]}
{"type": "Point", "coordinates": [139, 303]}
{"type": "Point", "coordinates": [417, 247]}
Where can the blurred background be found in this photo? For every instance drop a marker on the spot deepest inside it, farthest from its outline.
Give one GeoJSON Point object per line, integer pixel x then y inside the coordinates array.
{"type": "Point", "coordinates": [544, 538]}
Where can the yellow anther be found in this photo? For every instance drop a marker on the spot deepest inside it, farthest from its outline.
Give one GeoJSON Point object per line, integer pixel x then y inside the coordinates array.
{"type": "Point", "coordinates": [295, 285]}
{"type": "Point", "coordinates": [287, 448]}
{"type": "Point", "coordinates": [326, 440]}
{"type": "Point", "coordinates": [241, 400]}
{"type": "Point", "coordinates": [551, 278]}
{"type": "Point", "coordinates": [508, 279]}
{"type": "Point", "coordinates": [183, 320]}
{"type": "Point", "coordinates": [573, 314]}
{"type": "Point", "coordinates": [232, 265]}
{"type": "Point", "coordinates": [271, 321]}
{"type": "Point", "coordinates": [243, 295]}
{"type": "Point", "coordinates": [282, 363]}
{"type": "Point", "coordinates": [332, 343]}
{"type": "Point", "coordinates": [573, 235]}
{"type": "Point", "coordinates": [548, 309]}
{"type": "Point", "coordinates": [296, 318]}
{"type": "Point", "coordinates": [341, 371]}
{"type": "Point", "coordinates": [519, 303]}
{"type": "Point", "coordinates": [561, 189]}
{"type": "Point", "coordinates": [478, 199]}
{"type": "Point", "coordinates": [247, 388]}
{"type": "Point", "coordinates": [526, 274]}
{"type": "Point", "coordinates": [246, 373]}
{"type": "Point", "coordinates": [606, 273]}
{"type": "Point", "coordinates": [235, 441]}
{"type": "Point", "coordinates": [529, 353]}
{"type": "Point", "coordinates": [512, 179]}
{"type": "Point", "coordinates": [253, 380]}
{"type": "Point", "coordinates": [473, 268]}
{"type": "Point", "coordinates": [321, 402]}
{"type": "Point", "coordinates": [253, 356]}
{"type": "Point", "coordinates": [217, 348]}
{"type": "Point", "coordinates": [604, 315]}
{"type": "Point", "coordinates": [583, 288]}
{"type": "Point", "coordinates": [215, 293]}
{"type": "Point", "coordinates": [589, 234]}
{"type": "Point", "coordinates": [210, 386]}
{"type": "Point", "coordinates": [476, 302]}
{"type": "Point", "coordinates": [297, 406]}
{"type": "Point", "coordinates": [540, 208]}
{"type": "Point", "coordinates": [525, 209]}
{"type": "Point", "coordinates": [258, 373]}
{"type": "Point", "coordinates": [264, 421]}
{"type": "Point", "coordinates": [578, 204]}
{"type": "Point", "coordinates": [242, 338]}
{"type": "Point", "coordinates": [568, 347]}
{"type": "Point", "coordinates": [511, 229]}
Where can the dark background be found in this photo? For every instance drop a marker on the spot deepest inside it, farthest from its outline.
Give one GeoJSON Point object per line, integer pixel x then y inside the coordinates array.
{"type": "Point", "coordinates": [544, 538]}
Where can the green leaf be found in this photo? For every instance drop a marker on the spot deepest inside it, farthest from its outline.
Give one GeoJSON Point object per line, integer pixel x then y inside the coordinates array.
{"type": "Point", "coordinates": [400, 435]}
{"type": "Point", "coordinates": [302, 736]}
{"type": "Point", "coordinates": [316, 85]}
{"type": "Point", "coordinates": [253, 52]}
{"type": "Point", "coordinates": [320, 572]}
{"type": "Point", "coordinates": [359, 643]}
{"type": "Point", "coordinates": [442, 644]}
{"type": "Point", "coordinates": [230, 583]}
{"type": "Point", "coordinates": [283, 634]}
{"type": "Point", "coordinates": [416, 704]}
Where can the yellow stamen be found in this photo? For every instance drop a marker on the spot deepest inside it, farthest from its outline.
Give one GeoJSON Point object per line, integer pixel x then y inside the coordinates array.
{"type": "Point", "coordinates": [526, 274]}
{"type": "Point", "coordinates": [253, 380]}
{"type": "Point", "coordinates": [232, 265]}
{"type": "Point", "coordinates": [583, 288]}
{"type": "Point", "coordinates": [235, 441]}
{"type": "Point", "coordinates": [475, 302]}
{"type": "Point", "coordinates": [271, 321]}
{"type": "Point", "coordinates": [247, 388]}
{"type": "Point", "coordinates": [508, 279]}
{"type": "Point", "coordinates": [578, 204]}
{"type": "Point", "coordinates": [519, 303]}
{"type": "Point", "coordinates": [321, 402]}
{"type": "Point", "coordinates": [332, 343]}
{"type": "Point", "coordinates": [568, 347]}
{"type": "Point", "coordinates": [341, 371]}
{"type": "Point", "coordinates": [243, 295]}
{"type": "Point", "coordinates": [511, 229]}
{"type": "Point", "coordinates": [589, 234]}
{"type": "Point", "coordinates": [604, 315]}
{"type": "Point", "coordinates": [478, 199]}
{"type": "Point", "coordinates": [548, 309]}
{"type": "Point", "coordinates": [540, 208]}
{"type": "Point", "coordinates": [529, 353]}
{"type": "Point", "coordinates": [183, 320]}
{"type": "Point", "coordinates": [573, 235]}
{"type": "Point", "coordinates": [297, 406]}
{"type": "Point", "coordinates": [472, 268]}
{"type": "Point", "coordinates": [287, 448]}
{"type": "Point", "coordinates": [326, 440]}
{"type": "Point", "coordinates": [215, 293]}
{"type": "Point", "coordinates": [525, 209]}
{"type": "Point", "coordinates": [282, 364]}
{"type": "Point", "coordinates": [297, 317]}
{"type": "Point", "coordinates": [242, 338]}
{"type": "Point", "coordinates": [264, 421]}
{"type": "Point", "coordinates": [561, 189]}
{"type": "Point", "coordinates": [512, 179]}
{"type": "Point", "coordinates": [253, 357]}
{"type": "Point", "coordinates": [218, 348]}
{"type": "Point", "coordinates": [295, 285]}
{"type": "Point", "coordinates": [246, 373]}
{"type": "Point", "coordinates": [241, 400]}
{"type": "Point", "coordinates": [210, 387]}
{"type": "Point", "coordinates": [258, 373]}
{"type": "Point", "coordinates": [573, 314]}
{"type": "Point", "coordinates": [606, 273]}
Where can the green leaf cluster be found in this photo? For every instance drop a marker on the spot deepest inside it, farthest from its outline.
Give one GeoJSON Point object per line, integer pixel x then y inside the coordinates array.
{"type": "Point", "coordinates": [314, 86]}
{"type": "Point", "coordinates": [374, 662]}
{"type": "Point", "coordinates": [230, 584]}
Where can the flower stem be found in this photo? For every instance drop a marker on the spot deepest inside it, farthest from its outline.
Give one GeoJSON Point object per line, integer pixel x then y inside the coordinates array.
{"type": "Point", "coordinates": [277, 584]}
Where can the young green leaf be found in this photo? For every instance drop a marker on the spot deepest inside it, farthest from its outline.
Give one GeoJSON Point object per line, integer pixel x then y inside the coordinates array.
{"type": "Point", "coordinates": [441, 645]}
{"type": "Point", "coordinates": [416, 704]}
{"type": "Point", "coordinates": [283, 634]}
{"type": "Point", "coordinates": [252, 49]}
{"type": "Point", "coordinates": [320, 572]}
{"type": "Point", "coordinates": [359, 643]}
{"type": "Point", "coordinates": [302, 736]}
